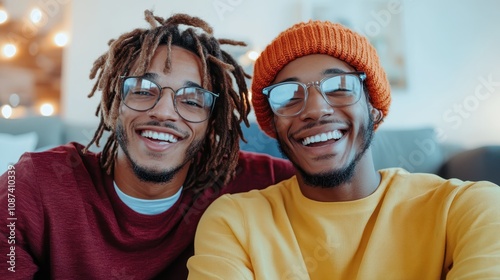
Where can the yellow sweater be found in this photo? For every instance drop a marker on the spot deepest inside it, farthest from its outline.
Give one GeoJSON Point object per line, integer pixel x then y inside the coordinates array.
{"type": "Point", "coordinates": [414, 226]}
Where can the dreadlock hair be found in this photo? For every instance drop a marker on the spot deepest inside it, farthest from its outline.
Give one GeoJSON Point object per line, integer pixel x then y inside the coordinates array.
{"type": "Point", "coordinates": [216, 162]}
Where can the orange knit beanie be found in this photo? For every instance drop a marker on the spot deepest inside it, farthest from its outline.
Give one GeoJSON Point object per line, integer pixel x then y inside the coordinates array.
{"type": "Point", "coordinates": [317, 37]}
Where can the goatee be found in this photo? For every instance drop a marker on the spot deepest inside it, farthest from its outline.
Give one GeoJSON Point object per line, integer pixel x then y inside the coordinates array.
{"type": "Point", "coordinates": [146, 174]}
{"type": "Point", "coordinates": [333, 178]}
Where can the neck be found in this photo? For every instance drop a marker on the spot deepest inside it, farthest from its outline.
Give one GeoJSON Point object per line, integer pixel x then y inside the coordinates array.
{"type": "Point", "coordinates": [363, 183]}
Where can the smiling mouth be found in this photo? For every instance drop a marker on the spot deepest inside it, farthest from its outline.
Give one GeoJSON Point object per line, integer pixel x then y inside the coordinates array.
{"type": "Point", "coordinates": [323, 137]}
{"type": "Point", "coordinates": [159, 136]}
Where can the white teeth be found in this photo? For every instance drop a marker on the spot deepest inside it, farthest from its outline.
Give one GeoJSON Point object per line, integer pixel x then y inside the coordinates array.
{"type": "Point", "coordinates": [336, 134]}
{"type": "Point", "coordinates": [159, 136]}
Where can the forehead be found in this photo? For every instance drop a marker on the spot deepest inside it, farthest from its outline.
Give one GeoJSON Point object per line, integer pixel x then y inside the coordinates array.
{"type": "Point", "coordinates": [311, 67]}
{"type": "Point", "coordinates": [182, 60]}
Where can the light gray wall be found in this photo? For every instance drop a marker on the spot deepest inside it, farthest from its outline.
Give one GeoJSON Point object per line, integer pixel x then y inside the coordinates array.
{"type": "Point", "coordinates": [451, 52]}
{"type": "Point", "coordinates": [452, 49]}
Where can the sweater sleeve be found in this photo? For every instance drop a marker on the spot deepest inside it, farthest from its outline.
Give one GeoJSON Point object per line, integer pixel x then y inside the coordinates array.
{"type": "Point", "coordinates": [20, 211]}
{"type": "Point", "coordinates": [473, 242]}
{"type": "Point", "coordinates": [219, 249]}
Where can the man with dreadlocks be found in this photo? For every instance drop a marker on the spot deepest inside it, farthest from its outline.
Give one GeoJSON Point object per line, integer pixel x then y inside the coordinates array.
{"type": "Point", "coordinates": [130, 212]}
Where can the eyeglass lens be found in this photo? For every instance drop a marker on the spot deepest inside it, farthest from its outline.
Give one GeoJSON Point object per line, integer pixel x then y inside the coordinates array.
{"type": "Point", "coordinates": [289, 98]}
{"type": "Point", "coordinates": [191, 103]}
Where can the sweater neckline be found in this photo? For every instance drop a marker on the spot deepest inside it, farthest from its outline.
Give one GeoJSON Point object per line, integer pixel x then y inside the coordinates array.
{"type": "Point", "coordinates": [343, 207]}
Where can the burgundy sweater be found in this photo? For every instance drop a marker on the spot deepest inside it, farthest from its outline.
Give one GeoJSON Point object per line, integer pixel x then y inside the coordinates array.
{"type": "Point", "coordinates": [70, 224]}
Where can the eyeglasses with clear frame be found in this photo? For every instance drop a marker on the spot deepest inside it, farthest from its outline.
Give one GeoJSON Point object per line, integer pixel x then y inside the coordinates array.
{"type": "Point", "coordinates": [193, 104]}
{"type": "Point", "coordinates": [289, 98]}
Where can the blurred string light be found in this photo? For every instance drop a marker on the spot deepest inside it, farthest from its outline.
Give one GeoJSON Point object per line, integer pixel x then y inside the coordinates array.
{"type": "Point", "coordinates": [14, 108]}
{"type": "Point", "coordinates": [253, 55]}
{"type": "Point", "coordinates": [46, 109]}
{"type": "Point", "coordinates": [61, 39]}
{"type": "Point", "coordinates": [248, 58]}
{"type": "Point", "coordinates": [14, 100]}
{"type": "Point", "coordinates": [3, 15]}
{"type": "Point", "coordinates": [9, 50]}
{"type": "Point", "coordinates": [36, 15]}
{"type": "Point", "coordinates": [6, 111]}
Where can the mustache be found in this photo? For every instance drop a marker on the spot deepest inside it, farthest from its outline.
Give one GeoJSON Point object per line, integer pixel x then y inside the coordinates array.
{"type": "Point", "coordinates": [316, 123]}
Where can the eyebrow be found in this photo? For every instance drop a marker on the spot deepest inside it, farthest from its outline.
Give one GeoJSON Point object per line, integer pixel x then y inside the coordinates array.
{"type": "Point", "coordinates": [155, 77]}
{"type": "Point", "coordinates": [334, 71]}
{"type": "Point", "coordinates": [329, 71]}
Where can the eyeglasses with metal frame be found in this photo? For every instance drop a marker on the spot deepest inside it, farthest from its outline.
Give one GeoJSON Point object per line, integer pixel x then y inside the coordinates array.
{"type": "Point", "coordinates": [193, 103]}
{"type": "Point", "coordinates": [289, 98]}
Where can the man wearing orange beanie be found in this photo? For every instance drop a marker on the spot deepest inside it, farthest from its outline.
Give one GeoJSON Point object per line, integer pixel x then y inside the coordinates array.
{"type": "Point", "coordinates": [320, 90]}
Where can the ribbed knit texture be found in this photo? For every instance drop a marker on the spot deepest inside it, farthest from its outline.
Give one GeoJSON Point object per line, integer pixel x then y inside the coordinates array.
{"type": "Point", "coordinates": [414, 226]}
{"type": "Point", "coordinates": [71, 224]}
{"type": "Point", "coordinates": [317, 37]}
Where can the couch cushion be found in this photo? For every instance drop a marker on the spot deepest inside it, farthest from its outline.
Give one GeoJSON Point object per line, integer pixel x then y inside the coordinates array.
{"type": "Point", "coordinates": [258, 141]}
{"type": "Point", "coordinates": [416, 150]}
{"type": "Point", "coordinates": [83, 134]}
{"type": "Point", "coordinates": [48, 129]}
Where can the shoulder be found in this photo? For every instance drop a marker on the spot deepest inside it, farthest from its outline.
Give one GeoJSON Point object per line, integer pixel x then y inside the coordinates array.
{"type": "Point", "coordinates": [232, 209]}
{"type": "Point", "coordinates": [400, 175]}
{"type": "Point", "coordinates": [258, 198]}
{"type": "Point", "coordinates": [47, 178]}
{"type": "Point", "coordinates": [59, 167]}
{"type": "Point", "coordinates": [258, 208]}
{"type": "Point", "coordinates": [60, 159]}
{"type": "Point", "coordinates": [71, 149]}
{"type": "Point", "coordinates": [446, 189]}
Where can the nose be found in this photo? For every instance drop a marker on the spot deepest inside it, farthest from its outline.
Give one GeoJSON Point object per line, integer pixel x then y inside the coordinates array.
{"type": "Point", "coordinates": [164, 109]}
{"type": "Point", "coordinates": [315, 106]}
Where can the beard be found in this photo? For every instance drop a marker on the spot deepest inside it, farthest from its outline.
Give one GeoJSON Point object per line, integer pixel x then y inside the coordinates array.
{"type": "Point", "coordinates": [333, 178]}
{"type": "Point", "coordinates": [147, 174]}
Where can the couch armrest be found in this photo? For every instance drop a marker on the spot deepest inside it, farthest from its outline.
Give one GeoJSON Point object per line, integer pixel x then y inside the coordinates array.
{"type": "Point", "coordinates": [478, 164]}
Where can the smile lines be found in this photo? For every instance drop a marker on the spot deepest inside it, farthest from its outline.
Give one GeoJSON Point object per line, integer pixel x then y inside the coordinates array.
{"type": "Point", "coordinates": [322, 137]}
{"type": "Point", "coordinates": [159, 136]}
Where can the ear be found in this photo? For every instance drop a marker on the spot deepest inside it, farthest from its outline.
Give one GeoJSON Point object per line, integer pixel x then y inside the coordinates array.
{"type": "Point", "coordinates": [376, 114]}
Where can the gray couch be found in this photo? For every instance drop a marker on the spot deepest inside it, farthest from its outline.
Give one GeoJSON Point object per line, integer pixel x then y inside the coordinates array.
{"type": "Point", "coordinates": [416, 150]}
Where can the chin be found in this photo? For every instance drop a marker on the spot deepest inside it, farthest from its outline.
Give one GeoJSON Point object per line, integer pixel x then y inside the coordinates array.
{"type": "Point", "coordinates": [151, 174]}
{"type": "Point", "coordinates": [328, 178]}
